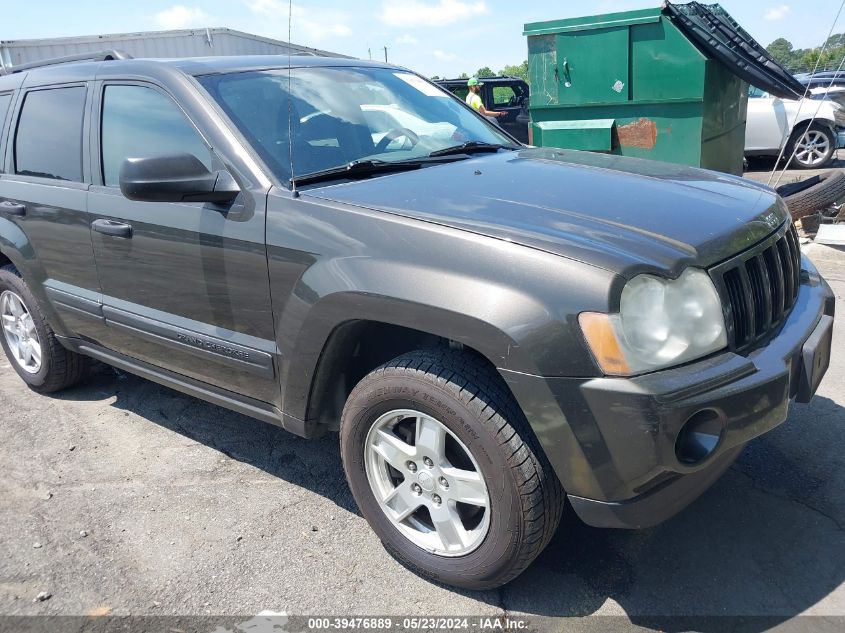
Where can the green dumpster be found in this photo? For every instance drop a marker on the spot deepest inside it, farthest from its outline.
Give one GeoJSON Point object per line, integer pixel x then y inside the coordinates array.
{"type": "Point", "coordinates": [634, 84]}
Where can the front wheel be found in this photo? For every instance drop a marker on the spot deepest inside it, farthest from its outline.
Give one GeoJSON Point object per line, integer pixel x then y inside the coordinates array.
{"type": "Point", "coordinates": [812, 148]}
{"type": "Point", "coordinates": [445, 469]}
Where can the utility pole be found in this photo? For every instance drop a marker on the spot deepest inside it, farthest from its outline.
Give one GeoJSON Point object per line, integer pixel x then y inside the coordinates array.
{"type": "Point", "coordinates": [370, 52]}
{"type": "Point", "coordinates": [385, 54]}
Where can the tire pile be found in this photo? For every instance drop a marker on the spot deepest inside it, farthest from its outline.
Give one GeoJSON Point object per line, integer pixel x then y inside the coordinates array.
{"type": "Point", "coordinates": [814, 194]}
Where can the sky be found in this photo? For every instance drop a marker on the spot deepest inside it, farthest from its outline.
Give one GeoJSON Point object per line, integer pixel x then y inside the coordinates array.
{"type": "Point", "coordinates": [433, 37]}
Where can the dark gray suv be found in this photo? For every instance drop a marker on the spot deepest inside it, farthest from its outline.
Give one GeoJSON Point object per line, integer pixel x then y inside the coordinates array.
{"type": "Point", "coordinates": [338, 245]}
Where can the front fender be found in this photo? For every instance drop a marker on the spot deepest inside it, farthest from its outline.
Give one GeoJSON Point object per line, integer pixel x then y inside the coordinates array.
{"type": "Point", "coordinates": [829, 123]}
{"type": "Point", "coordinates": [509, 326]}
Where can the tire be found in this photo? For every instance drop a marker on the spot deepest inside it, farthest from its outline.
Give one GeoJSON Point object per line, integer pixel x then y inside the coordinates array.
{"type": "Point", "coordinates": [58, 367]}
{"type": "Point", "coordinates": [825, 143]}
{"type": "Point", "coordinates": [814, 194]}
{"type": "Point", "coordinates": [470, 400]}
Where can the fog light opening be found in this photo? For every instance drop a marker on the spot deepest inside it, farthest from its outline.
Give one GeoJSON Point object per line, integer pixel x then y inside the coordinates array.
{"type": "Point", "coordinates": [699, 437]}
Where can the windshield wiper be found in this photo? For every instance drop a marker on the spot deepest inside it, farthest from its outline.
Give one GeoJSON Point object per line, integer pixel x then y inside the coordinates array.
{"type": "Point", "coordinates": [364, 167]}
{"type": "Point", "coordinates": [354, 169]}
{"type": "Point", "coordinates": [469, 147]}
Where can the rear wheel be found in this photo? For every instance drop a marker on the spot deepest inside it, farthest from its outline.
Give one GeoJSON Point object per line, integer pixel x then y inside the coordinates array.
{"type": "Point", "coordinates": [28, 341]}
{"type": "Point", "coordinates": [812, 148]}
{"type": "Point", "coordinates": [446, 470]}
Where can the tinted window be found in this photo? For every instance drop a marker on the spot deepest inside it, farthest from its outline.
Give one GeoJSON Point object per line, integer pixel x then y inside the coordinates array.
{"type": "Point", "coordinates": [49, 136]}
{"type": "Point", "coordinates": [140, 122]}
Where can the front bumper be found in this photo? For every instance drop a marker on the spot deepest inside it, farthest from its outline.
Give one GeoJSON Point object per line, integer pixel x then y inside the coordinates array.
{"type": "Point", "coordinates": [615, 446]}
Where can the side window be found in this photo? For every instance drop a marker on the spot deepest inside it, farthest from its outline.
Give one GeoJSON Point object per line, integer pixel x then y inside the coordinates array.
{"type": "Point", "coordinates": [48, 142]}
{"type": "Point", "coordinates": [139, 122]}
{"type": "Point", "coordinates": [5, 100]}
{"type": "Point", "coordinates": [503, 95]}
{"type": "Point", "coordinates": [461, 92]}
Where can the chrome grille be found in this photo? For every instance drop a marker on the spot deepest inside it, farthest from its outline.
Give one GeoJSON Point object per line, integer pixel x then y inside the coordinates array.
{"type": "Point", "coordinates": [759, 288]}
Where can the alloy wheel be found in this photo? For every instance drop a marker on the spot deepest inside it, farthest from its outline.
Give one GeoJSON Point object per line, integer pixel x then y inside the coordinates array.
{"type": "Point", "coordinates": [427, 483]}
{"type": "Point", "coordinates": [20, 333]}
{"type": "Point", "coordinates": [813, 148]}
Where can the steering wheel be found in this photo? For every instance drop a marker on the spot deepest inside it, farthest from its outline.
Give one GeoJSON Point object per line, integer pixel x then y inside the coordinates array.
{"type": "Point", "coordinates": [394, 134]}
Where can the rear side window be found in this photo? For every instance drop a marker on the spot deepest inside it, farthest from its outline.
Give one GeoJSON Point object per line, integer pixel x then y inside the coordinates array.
{"type": "Point", "coordinates": [503, 95]}
{"type": "Point", "coordinates": [48, 142]}
{"type": "Point", "coordinates": [461, 92]}
{"type": "Point", "coordinates": [5, 100]}
{"type": "Point", "coordinates": [139, 122]}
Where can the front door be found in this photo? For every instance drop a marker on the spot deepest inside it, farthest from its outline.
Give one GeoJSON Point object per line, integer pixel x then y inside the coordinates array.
{"type": "Point", "coordinates": [185, 285]}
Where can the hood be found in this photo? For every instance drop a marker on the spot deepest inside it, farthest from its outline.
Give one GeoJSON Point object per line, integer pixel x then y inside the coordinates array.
{"type": "Point", "coordinates": [623, 214]}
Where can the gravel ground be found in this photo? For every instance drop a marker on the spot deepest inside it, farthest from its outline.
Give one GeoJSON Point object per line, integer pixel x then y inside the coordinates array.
{"type": "Point", "coordinates": [121, 496]}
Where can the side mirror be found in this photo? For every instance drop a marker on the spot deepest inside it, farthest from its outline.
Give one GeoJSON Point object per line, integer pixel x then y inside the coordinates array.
{"type": "Point", "coordinates": [175, 178]}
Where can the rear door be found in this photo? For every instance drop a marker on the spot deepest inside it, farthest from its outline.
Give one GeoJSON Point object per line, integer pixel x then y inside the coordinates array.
{"type": "Point", "coordinates": [44, 192]}
{"type": "Point", "coordinates": [185, 285]}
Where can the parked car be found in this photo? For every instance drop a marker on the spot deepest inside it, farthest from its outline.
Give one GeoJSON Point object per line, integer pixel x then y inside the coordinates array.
{"type": "Point", "coordinates": [492, 330]}
{"type": "Point", "coordinates": [503, 94]}
{"type": "Point", "coordinates": [822, 78]}
{"type": "Point", "coordinates": [773, 121]}
{"type": "Point", "coordinates": [828, 93]}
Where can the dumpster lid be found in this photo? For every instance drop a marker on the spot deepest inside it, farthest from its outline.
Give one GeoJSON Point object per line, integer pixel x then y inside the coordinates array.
{"type": "Point", "coordinates": [719, 36]}
{"type": "Point", "coordinates": [592, 22]}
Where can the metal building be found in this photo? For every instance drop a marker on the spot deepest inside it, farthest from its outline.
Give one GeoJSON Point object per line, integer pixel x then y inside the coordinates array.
{"type": "Point", "coordinates": [178, 43]}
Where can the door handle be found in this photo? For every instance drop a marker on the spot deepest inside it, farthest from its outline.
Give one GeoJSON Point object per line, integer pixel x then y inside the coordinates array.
{"type": "Point", "coordinates": [110, 227]}
{"type": "Point", "coordinates": [12, 208]}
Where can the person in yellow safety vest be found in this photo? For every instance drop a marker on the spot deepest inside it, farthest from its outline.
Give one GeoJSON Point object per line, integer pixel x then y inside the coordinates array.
{"type": "Point", "coordinates": [474, 99]}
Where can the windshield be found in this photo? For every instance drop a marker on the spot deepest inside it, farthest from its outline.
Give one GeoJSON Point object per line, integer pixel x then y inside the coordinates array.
{"type": "Point", "coordinates": [338, 115]}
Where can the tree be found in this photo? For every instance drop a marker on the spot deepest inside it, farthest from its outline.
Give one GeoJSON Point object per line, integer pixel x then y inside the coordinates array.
{"type": "Point", "coordinates": [835, 41]}
{"type": "Point", "coordinates": [463, 76]}
{"type": "Point", "coordinates": [520, 70]}
{"type": "Point", "coordinates": [781, 49]}
{"type": "Point", "coordinates": [486, 71]}
{"type": "Point", "coordinates": [435, 78]}
{"type": "Point", "coordinates": [812, 59]}
{"type": "Point", "coordinates": [799, 60]}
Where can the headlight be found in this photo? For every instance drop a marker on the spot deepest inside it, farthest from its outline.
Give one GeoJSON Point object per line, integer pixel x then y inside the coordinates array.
{"type": "Point", "coordinates": [661, 322]}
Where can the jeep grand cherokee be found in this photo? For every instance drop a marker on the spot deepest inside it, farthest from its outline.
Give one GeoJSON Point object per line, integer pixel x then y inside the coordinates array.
{"type": "Point", "coordinates": [493, 330]}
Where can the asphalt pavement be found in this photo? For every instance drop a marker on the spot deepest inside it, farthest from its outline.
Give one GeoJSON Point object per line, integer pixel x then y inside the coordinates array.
{"type": "Point", "coordinates": [123, 497]}
{"type": "Point", "coordinates": [762, 169]}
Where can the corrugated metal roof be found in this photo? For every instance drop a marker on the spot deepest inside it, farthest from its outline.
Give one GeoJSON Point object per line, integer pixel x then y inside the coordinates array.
{"type": "Point", "coordinates": [178, 43]}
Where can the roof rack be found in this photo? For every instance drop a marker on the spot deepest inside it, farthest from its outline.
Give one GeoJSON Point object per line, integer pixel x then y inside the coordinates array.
{"type": "Point", "coordinates": [98, 56]}
{"type": "Point", "coordinates": [485, 78]}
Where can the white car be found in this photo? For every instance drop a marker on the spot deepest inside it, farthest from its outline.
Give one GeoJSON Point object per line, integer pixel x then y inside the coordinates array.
{"type": "Point", "coordinates": [772, 122]}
